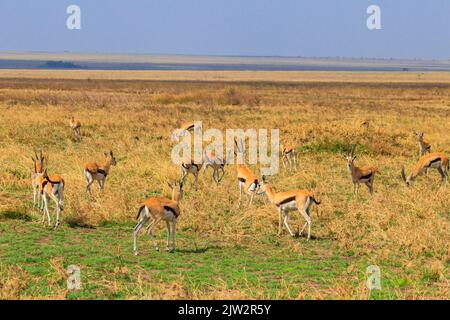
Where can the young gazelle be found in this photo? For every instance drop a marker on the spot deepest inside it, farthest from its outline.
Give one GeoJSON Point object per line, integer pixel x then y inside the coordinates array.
{"type": "Point", "coordinates": [435, 160]}
{"type": "Point", "coordinates": [156, 209]}
{"type": "Point", "coordinates": [247, 181]}
{"type": "Point", "coordinates": [288, 156]}
{"type": "Point", "coordinates": [216, 163]}
{"type": "Point", "coordinates": [359, 174]}
{"type": "Point", "coordinates": [75, 125]}
{"type": "Point", "coordinates": [300, 200]}
{"type": "Point", "coordinates": [38, 170]}
{"type": "Point", "coordinates": [424, 145]}
{"type": "Point", "coordinates": [51, 187]}
{"type": "Point", "coordinates": [192, 168]}
{"type": "Point", "coordinates": [98, 171]}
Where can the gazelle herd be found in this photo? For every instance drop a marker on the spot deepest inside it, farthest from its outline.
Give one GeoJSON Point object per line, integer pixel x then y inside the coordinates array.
{"type": "Point", "coordinates": [156, 209]}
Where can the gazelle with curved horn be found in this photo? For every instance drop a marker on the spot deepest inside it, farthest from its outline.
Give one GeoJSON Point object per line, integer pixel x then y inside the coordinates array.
{"type": "Point", "coordinates": [217, 163]}
{"type": "Point", "coordinates": [95, 171]}
{"type": "Point", "coordinates": [285, 202]}
{"type": "Point", "coordinates": [288, 156]}
{"type": "Point", "coordinates": [156, 209]}
{"type": "Point", "coordinates": [75, 125]}
{"type": "Point", "coordinates": [424, 145]}
{"type": "Point", "coordinates": [359, 174]}
{"type": "Point", "coordinates": [247, 180]}
{"type": "Point", "coordinates": [51, 187]}
{"type": "Point", "coordinates": [38, 170]}
{"type": "Point", "coordinates": [436, 160]}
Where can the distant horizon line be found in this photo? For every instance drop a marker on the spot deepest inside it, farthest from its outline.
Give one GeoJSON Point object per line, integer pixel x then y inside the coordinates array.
{"type": "Point", "coordinates": [220, 55]}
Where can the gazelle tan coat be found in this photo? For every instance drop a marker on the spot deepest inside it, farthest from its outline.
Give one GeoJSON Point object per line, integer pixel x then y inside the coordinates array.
{"type": "Point", "coordinates": [94, 171]}
{"type": "Point", "coordinates": [156, 209]}
{"type": "Point", "coordinates": [300, 200]}
{"type": "Point", "coordinates": [436, 160]}
{"type": "Point", "coordinates": [51, 187]}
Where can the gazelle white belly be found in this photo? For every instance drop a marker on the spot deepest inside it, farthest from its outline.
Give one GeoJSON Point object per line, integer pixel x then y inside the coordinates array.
{"type": "Point", "coordinates": [289, 206]}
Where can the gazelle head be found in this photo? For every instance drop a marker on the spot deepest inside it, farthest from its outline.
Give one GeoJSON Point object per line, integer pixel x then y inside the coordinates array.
{"type": "Point", "coordinates": [350, 157]}
{"type": "Point", "coordinates": [419, 135]}
{"type": "Point", "coordinates": [110, 157]}
{"type": "Point", "coordinates": [177, 190]}
{"type": "Point", "coordinates": [406, 179]}
{"type": "Point", "coordinates": [38, 162]}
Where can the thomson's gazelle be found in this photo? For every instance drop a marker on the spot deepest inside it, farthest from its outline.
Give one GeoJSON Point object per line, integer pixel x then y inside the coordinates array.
{"type": "Point", "coordinates": [216, 163]}
{"type": "Point", "coordinates": [75, 125]}
{"type": "Point", "coordinates": [192, 168]}
{"type": "Point", "coordinates": [38, 170]}
{"type": "Point", "coordinates": [359, 174]}
{"type": "Point", "coordinates": [424, 145]}
{"type": "Point", "coordinates": [51, 187]}
{"type": "Point", "coordinates": [435, 160]}
{"type": "Point", "coordinates": [156, 209]}
{"type": "Point", "coordinates": [300, 200]}
{"type": "Point", "coordinates": [288, 156]}
{"type": "Point", "coordinates": [98, 171]}
{"type": "Point", "coordinates": [247, 181]}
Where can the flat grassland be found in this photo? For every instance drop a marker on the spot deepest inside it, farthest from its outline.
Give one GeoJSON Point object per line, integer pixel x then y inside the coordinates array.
{"type": "Point", "coordinates": [223, 251]}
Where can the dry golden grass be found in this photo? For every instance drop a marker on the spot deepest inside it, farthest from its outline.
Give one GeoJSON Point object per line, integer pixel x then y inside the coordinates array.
{"type": "Point", "coordinates": [407, 226]}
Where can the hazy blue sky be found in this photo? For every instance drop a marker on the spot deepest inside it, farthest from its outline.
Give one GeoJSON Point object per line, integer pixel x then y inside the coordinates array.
{"type": "Point", "coordinates": [410, 28]}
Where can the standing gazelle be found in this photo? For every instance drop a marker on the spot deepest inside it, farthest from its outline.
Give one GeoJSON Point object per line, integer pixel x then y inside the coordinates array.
{"type": "Point", "coordinates": [424, 145]}
{"type": "Point", "coordinates": [51, 187]}
{"type": "Point", "coordinates": [288, 156]}
{"type": "Point", "coordinates": [435, 160]}
{"type": "Point", "coordinates": [75, 125]}
{"type": "Point", "coordinates": [98, 171]}
{"type": "Point", "coordinates": [156, 209]}
{"type": "Point", "coordinates": [247, 180]}
{"type": "Point", "coordinates": [359, 174]}
{"type": "Point", "coordinates": [300, 200]}
{"type": "Point", "coordinates": [38, 170]}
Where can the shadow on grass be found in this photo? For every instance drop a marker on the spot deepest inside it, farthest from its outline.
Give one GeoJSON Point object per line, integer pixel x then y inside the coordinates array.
{"type": "Point", "coordinates": [15, 215]}
{"type": "Point", "coordinates": [198, 250]}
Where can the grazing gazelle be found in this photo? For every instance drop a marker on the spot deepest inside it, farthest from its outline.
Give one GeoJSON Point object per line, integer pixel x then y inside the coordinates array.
{"type": "Point", "coordinates": [300, 200]}
{"type": "Point", "coordinates": [156, 209]}
{"type": "Point", "coordinates": [190, 167]}
{"type": "Point", "coordinates": [51, 187]}
{"type": "Point", "coordinates": [98, 171]}
{"type": "Point", "coordinates": [359, 174]}
{"type": "Point", "coordinates": [288, 156]}
{"type": "Point", "coordinates": [247, 181]}
{"type": "Point", "coordinates": [424, 145]}
{"type": "Point", "coordinates": [435, 160]}
{"type": "Point", "coordinates": [38, 170]}
{"type": "Point", "coordinates": [216, 163]}
{"type": "Point", "coordinates": [75, 125]}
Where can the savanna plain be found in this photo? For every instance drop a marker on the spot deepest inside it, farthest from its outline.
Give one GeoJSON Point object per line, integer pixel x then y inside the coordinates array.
{"type": "Point", "coordinates": [225, 251]}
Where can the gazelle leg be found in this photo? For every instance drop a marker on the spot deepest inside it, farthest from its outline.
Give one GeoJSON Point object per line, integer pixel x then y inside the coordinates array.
{"type": "Point", "coordinates": [174, 222]}
{"type": "Point", "coordinates": [308, 221]}
{"type": "Point", "coordinates": [286, 218]}
{"type": "Point", "coordinates": [135, 234]}
{"type": "Point", "coordinates": [150, 235]}
{"type": "Point", "coordinates": [442, 173]}
{"type": "Point", "coordinates": [294, 156]}
{"type": "Point", "coordinates": [280, 219]}
{"type": "Point", "coordinates": [46, 209]}
{"type": "Point", "coordinates": [251, 199]}
{"type": "Point", "coordinates": [168, 236]}
{"type": "Point", "coordinates": [240, 193]}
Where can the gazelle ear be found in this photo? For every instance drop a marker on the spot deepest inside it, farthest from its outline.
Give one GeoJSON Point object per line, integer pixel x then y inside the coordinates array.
{"type": "Point", "coordinates": [354, 157]}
